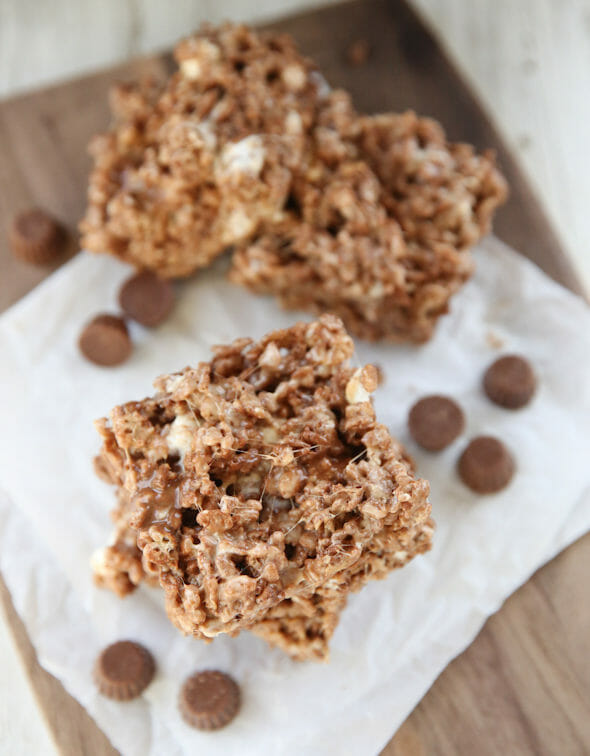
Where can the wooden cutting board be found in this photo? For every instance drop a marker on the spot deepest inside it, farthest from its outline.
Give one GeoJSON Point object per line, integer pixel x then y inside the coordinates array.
{"type": "Point", "coordinates": [523, 686]}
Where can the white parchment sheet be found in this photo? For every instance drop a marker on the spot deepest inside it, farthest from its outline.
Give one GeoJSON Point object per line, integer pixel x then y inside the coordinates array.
{"type": "Point", "coordinates": [397, 635]}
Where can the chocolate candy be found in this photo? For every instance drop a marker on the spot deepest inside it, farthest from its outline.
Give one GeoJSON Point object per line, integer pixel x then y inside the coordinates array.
{"type": "Point", "coordinates": [124, 670]}
{"type": "Point", "coordinates": [105, 340]}
{"type": "Point", "coordinates": [36, 237]}
{"type": "Point", "coordinates": [435, 422]}
{"type": "Point", "coordinates": [486, 465]}
{"type": "Point", "coordinates": [510, 382]}
{"type": "Point", "coordinates": [146, 298]}
{"type": "Point", "coordinates": [209, 700]}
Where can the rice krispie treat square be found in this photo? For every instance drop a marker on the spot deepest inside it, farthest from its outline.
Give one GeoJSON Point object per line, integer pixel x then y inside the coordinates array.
{"type": "Point", "coordinates": [194, 165]}
{"type": "Point", "coordinates": [382, 236]}
{"type": "Point", "coordinates": [258, 490]}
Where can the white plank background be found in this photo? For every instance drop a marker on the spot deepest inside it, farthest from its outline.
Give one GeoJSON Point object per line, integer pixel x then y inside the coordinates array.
{"type": "Point", "coordinates": [529, 61]}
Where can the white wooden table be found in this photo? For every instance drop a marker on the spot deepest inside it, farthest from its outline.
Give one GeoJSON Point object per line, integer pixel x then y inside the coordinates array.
{"type": "Point", "coordinates": [528, 60]}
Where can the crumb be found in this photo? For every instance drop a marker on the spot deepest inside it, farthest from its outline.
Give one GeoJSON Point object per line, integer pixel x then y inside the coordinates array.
{"type": "Point", "coordinates": [493, 340]}
{"type": "Point", "coordinates": [358, 52]}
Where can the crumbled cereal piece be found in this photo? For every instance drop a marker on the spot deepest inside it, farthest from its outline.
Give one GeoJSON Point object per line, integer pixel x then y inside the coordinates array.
{"type": "Point", "coordinates": [259, 489]}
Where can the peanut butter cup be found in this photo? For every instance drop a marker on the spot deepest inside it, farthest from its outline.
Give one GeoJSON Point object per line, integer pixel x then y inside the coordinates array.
{"type": "Point", "coordinates": [124, 670]}
{"type": "Point", "coordinates": [146, 298]}
{"type": "Point", "coordinates": [36, 237]}
{"type": "Point", "coordinates": [510, 382]}
{"type": "Point", "coordinates": [209, 700]}
{"type": "Point", "coordinates": [435, 422]}
{"type": "Point", "coordinates": [486, 466]}
{"type": "Point", "coordinates": [105, 341]}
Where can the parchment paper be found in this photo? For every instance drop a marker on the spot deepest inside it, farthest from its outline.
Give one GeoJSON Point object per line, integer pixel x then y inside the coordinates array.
{"type": "Point", "coordinates": [397, 635]}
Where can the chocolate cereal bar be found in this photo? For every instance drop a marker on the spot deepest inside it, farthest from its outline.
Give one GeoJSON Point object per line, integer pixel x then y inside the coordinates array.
{"type": "Point", "coordinates": [258, 490]}
{"type": "Point", "coordinates": [196, 164]}
{"type": "Point", "coordinates": [247, 148]}
{"type": "Point", "coordinates": [382, 238]}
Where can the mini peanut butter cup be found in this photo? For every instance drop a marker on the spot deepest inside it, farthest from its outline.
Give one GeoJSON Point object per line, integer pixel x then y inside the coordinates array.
{"type": "Point", "coordinates": [209, 700]}
{"type": "Point", "coordinates": [124, 670]}
{"type": "Point", "coordinates": [105, 341]}
{"type": "Point", "coordinates": [146, 298]}
{"type": "Point", "coordinates": [510, 382]}
{"type": "Point", "coordinates": [435, 422]}
{"type": "Point", "coordinates": [35, 237]}
{"type": "Point", "coordinates": [486, 466]}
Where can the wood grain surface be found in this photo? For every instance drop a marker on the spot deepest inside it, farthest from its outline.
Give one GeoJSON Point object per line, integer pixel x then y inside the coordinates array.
{"type": "Point", "coordinates": [523, 686]}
